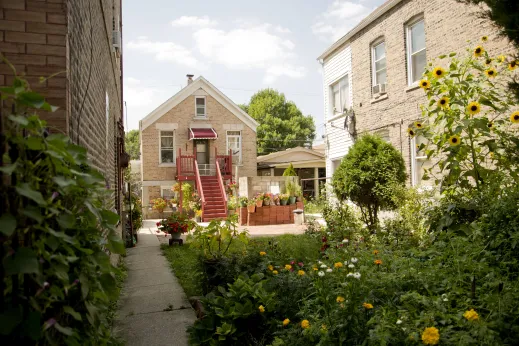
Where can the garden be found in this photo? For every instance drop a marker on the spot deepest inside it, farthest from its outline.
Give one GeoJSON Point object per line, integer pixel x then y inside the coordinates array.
{"type": "Point", "coordinates": [443, 269]}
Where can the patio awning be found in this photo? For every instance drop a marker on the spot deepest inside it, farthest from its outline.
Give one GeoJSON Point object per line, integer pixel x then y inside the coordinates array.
{"type": "Point", "coordinates": [197, 133]}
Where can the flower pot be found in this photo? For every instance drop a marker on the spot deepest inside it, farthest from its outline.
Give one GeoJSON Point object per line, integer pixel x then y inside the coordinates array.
{"type": "Point", "coordinates": [259, 203]}
{"type": "Point", "coordinates": [266, 202]}
{"type": "Point", "coordinates": [198, 218]}
{"type": "Point", "coordinates": [292, 200]}
{"type": "Point", "coordinates": [283, 202]}
{"type": "Point", "coordinates": [176, 235]}
{"type": "Point", "coordinates": [243, 204]}
{"type": "Point", "coordinates": [251, 208]}
{"type": "Point", "coordinates": [299, 198]}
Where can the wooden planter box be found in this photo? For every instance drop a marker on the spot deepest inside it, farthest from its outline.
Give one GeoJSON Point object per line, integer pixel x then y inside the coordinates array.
{"type": "Point", "coordinates": [269, 215]}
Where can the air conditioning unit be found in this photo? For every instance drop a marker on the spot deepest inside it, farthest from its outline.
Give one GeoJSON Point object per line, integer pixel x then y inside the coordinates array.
{"type": "Point", "coordinates": [116, 40]}
{"type": "Point", "coordinates": [379, 89]}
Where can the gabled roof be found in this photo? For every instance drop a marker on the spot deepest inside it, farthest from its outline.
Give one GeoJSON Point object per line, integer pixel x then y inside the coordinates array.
{"type": "Point", "coordinates": [199, 83]}
{"type": "Point", "coordinates": [289, 152]}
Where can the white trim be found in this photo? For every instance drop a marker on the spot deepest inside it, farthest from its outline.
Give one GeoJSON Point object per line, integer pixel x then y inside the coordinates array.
{"type": "Point", "coordinates": [199, 83]}
{"type": "Point", "coordinates": [415, 181]}
{"type": "Point", "coordinates": [284, 152]}
{"type": "Point", "coordinates": [200, 126]}
{"type": "Point", "coordinates": [193, 134]}
{"type": "Point", "coordinates": [374, 61]}
{"type": "Point", "coordinates": [241, 143]}
{"type": "Point", "coordinates": [165, 187]}
{"type": "Point", "coordinates": [167, 164]}
{"type": "Point", "coordinates": [408, 43]}
{"type": "Point", "coordinates": [204, 116]}
{"type": "Point", "coordinates": [339, 81]}
{"type": "Point", "coordinates": [166, 126]}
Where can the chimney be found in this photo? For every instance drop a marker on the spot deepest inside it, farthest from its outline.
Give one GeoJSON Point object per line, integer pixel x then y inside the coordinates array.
{"type": "Point", "coordinates": [190, 78]}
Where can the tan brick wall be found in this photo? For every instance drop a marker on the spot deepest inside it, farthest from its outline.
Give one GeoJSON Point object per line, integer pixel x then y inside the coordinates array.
{"type": "Point", "coordinates": [183, 115]}
{"type": "Point", "coordinates": [448, 26]}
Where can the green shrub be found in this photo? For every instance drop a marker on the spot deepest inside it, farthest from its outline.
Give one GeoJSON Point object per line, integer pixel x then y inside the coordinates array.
{"type": "Point", "coordinates": [371, 175]}
{"type": "Point", "coordinates": [290, 171]}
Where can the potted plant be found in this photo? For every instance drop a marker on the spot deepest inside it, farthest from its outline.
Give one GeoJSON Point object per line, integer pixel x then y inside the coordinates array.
{"type": "Point", "coordinates": [298, 192]}
{"type": "Point", "coordinates": [159, 204]}
{"type": "Point", "coordinates": [259, 200]}
{"type": "Point", "coordinates": [267, 199]}
{"type": "Point", "coordinates": [176, 224]}
{"type": "Point", "coordinates": [290, 188]}
{"type": "Point", "coordinates": [173, 202]}
{"type": "Point", "coordinates": [231, 187]}
{"type": "Point", "coordinates": [283, 198]}
{"type": "Point", "coordinates": [251, 205]}
{"type": "Point", "coordinates": [243, 201]}
{"type": "Point", "coordinates": [275, 200]}
{"type": "Point", "coordinates": [198, 215]}
{"type": "Point", "coordinates": [231, 205]}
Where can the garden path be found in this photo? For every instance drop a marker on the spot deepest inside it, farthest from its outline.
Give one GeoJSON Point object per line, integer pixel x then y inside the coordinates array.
{"type": "Point", "coordinates": [153, 309]}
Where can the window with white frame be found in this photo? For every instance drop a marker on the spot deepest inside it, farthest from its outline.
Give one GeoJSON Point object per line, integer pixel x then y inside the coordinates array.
{"type": "Point", "coordinates": [234, 144]}
{"type": "Point", "coordinates": [335, 164]}
{"type": "Point", "coordinates": [167, 146]}
{"type": "Point", "coordinates": [419, 160]}
{"type": "Point", "coordinates": [166, 192]}
{"type": "Point", "coordinates": [339, 93]}
{"type": "Point", "coordinates": [416, 59]}
{"type": "Point", "coordinates": [200, 107]}
{"type": "Point", "coordinates": [378, 56]}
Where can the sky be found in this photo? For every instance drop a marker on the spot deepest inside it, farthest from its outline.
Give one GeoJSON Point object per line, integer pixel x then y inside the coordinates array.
{"type": "Point", "coordinates": [239, 46]}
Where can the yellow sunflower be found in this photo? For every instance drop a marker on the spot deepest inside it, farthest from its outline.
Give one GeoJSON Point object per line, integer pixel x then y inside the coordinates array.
{"type": "Point", "coordinates": [513, 65]}
{"type": "Point", "coordinates": [473, 108]}
{"type": "Point", "coordinates": [418, 125]}
{"type": "Point", "coordinates": [491, 72]}
{"type": "Point", "coordinates": [443, 102]}
{"type": "Point", "coordinates": [425, 84]}
{"type": "Point", "coordinates": [514, 117]}
{"type": "Point", "coordinates": [484, 39]}
{"type": "Point", "coordinates": [478, 51]}
{"type": "Point", "coordinates": [411, 132]}
{"type": "Point", "coordinates": [488, 61]}
{"type": "Point", "coordinates": [501, 58]}
{"type": "Point", "coordinates": [438, 72]}
{"type": "Point", "coordinates": [454, 140]}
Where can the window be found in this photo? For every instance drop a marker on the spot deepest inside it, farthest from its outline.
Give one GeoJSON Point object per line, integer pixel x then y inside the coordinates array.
{"type": "Point", "coordinates": [107, 111]}
{"type": "Point", "coordinates": [200, 107]}
{"type": "Point", "coordinates": [384, 134]}
{"type": "Point", "coordinates": [167, 147]}
{"type": "Point", "coordinates": [234, 144]}
{"type": "Point", "coordinates": [419, 161]}
{"type": "Point", "coordinates": [335, 164]}
{"type": "Point", "coordinates": [339, 96]}
{"type": "Point", "coordinates": [416, 59]}
{"type": "Point", "coordinates": [166, 192]}
{"type": "Point", "coordinates": [378, 54]}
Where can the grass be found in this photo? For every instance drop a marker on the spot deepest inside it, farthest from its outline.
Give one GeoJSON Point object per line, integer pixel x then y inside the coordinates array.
{"type": "Point", "coordinates": [185, 263]}
{"type": "Point", "coordinates": [120, 277]}
{"type": "Point", "coordinates": [314, 206]}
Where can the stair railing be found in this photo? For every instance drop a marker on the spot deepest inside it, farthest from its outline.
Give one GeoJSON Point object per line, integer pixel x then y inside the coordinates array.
{"type": "Point", "coordinates": [220, 183]}
{"type": "Point", "coordinates": [199, 186]}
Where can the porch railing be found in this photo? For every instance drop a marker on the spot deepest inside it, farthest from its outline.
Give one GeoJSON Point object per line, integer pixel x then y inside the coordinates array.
{"type": "Point", "coordinates": [185, 164]}
{"type": "Point", "coordinates": [225, 162]}
{"type": "Point", "coordinates": [220, 183]}
{"type": "Point", "coordinates": [199, 186]}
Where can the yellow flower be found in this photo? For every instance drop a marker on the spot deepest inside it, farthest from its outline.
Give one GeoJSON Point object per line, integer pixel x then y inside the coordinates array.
{"type": "Point", "coordinates": [454, 140]}
{"type": "Point", "coordinates": [471, 315]}
{"type": "Point", "coordinates": [286, 321]}
{"type": "Point", "coordinates": [478, 51]}
{"type": "Point", "coordinates": [490, 125]}
{"type": "Point", "coordinates": [513, 65]}
{"type": "Point", "coordinates": [275, 272]}
{"type": "Point", "coordinates": [515, 117]}
{"type": "Point", "coordinates": [438, 72]}
{"type": "Point", "coordinates": [262, 253]}
{"type": "Point", "coordinates": [378, 262]}
{"type": "Point", "coordinates": [491, 154]}
{"type": "Point", "coordinates": [375, 252]}
{"type": "Point", "coordinates": [443, 102]}
{"type": "Point", "coordinates": [315, 268]}
{"type": "Point", "coordinates": [411, 132]}
{"type": "Point", "coordinates": [501, 58]}
{"type": "Point", "coordinates": [484, 38]}
{"type": "Point", "coordinates": [270, 267]}
{"type": "Point", "coordinates": [367, 306]}
{"type": "Point", "coordinates": [323, 327]}
{"type": "Point", "coordinates": [305, 324]}
{"type": "Point", "coordinates": [301, 272]}
{"type": "Point", "coordinates": [338, 265]}
{"type": "Point", "coordinates": [425, 84]}
{"type": "Point", "coordinates": [491, 72]}
{"type": "Point", "coordinates": [431, 336]}
{"type": "Point", "coordinates": [488, 61]}
{"type": "Point", "coordinates": [340, 299]}
{"type": "Point", "coordinates": [288, 266]}
{"type": "Point", "coordinates": [473, 108]}
{"type": "Point", "coordinates": [261, 309]}
{"type": "Point", "coordinates": [418, 124]}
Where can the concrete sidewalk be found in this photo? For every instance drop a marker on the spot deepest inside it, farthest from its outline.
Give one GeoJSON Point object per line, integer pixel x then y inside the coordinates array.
{"type": "Point", "coordinates": [153, 309]}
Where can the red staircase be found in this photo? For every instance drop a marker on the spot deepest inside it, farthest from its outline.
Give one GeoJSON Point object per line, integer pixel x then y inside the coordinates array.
{"type": "Point", "coordinates": [215, 206]}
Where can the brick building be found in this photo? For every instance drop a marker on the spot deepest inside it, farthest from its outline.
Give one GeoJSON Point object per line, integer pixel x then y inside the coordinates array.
{"type": "Point", "coordinates": [77, 44]}
{"type": "Point", "coordinates": [371, 74]}
{"type": "Point", "coordinates": [198, 123]}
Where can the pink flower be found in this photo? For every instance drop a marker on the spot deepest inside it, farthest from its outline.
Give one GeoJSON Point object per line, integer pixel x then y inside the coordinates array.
{"type": "Point", "coordinates": [293, 262]}
{"type": "Point", "coordinates": [300, 264]}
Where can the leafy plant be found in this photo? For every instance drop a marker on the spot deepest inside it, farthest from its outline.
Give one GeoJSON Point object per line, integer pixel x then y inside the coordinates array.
{"type": "Point", "coordinates": [159, 204]}
{"type": "Point", "coordinates": [177, 222]}
{"type": "Point", "coordinates": [290, 171]}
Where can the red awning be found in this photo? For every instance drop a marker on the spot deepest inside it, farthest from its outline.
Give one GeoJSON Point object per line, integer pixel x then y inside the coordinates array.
{"type": "Point", "coordinates": [197, 133]}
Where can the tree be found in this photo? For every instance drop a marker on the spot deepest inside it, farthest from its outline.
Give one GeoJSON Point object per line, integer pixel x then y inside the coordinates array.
{"type": "Point", "coordinates": [132, 144]}
{"type": "Point", "coordinates": [281, 124]}
{"type": "Point", "coordinates": [290, 171]}
{"type": "Point", "coordinates": [371, 175]}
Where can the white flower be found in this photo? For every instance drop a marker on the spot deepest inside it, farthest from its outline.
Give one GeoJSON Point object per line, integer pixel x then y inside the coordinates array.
{"type": "Point", "coordinates": [445, 299]}
{"type": "Point", "coordinates": [354, 260]}
{"type": "Point", "coordinates": [344, 284]}
{"type": "Point", "coordinates": [356, 275]}
{"type": "Point", "coordinates": [345, 263]}
{"type": "Point", "coordinates": [319, 262]}
{"type": "Point", "coordinates": [349, 275]}
{"type": "Point", "coordinates": [398, 321]}
{"type": "Point", "coordinates": [321, 273]}
{"type": "Point", "coordinates": [329, 270]}
{"type": "Point", "coordinates": [345, 240]}
{"type": "Point", "coordinates": [351, 265]}
{"type": "Point", "coordinates": [329, 233]}
{"type": "Point", "coordinates": [324, 266]}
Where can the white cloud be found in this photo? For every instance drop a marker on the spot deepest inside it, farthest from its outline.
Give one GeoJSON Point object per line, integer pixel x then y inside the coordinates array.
{"type": "Point", "coordinates": [340, 17]}
{"type": "Point", "coordinates": [193, 21]}
{"type": "Point", "coordinates": [282, 30]}
{"type": "Point", "coordinates": [167, 52]}
{"type": "Point", "coordinates": [257, 47]}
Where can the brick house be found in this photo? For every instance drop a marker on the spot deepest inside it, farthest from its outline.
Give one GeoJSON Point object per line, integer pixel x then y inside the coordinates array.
{"type": "Point", "coordinates": [371, 74]}
{"type": "Point", "coordinates": [189, 137]}
{"type": "Point", "coordinates": [77, 41]}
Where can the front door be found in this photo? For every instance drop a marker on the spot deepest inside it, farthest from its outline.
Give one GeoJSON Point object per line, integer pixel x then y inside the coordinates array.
{"type": "Point", "coordinates": [202, 151]}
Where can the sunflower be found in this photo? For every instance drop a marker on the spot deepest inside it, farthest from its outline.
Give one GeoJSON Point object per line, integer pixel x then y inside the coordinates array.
{"type": "Point", "coordinates": [513, 65]}
{"type": "Point", "coordinates": [501, 58]}
{"type": "Point", "coordinates": [473, 108]}
{"type": "Point", "coordinates": [454, 140]}
{"type": "Point", "coordinates": [478, 51]}
{"type": "Point", "coordinates": [425, 84]}
{"type": "Point", "coordinates": [418, 125]}
{"type": "Point", "coordinates": [443, 102]}
{"type": "Point", "coordinates": [484, 39]}
{"type": "Point", "coordinates": [411, 132]}
{"type": "Point", "coordinates": [514, 117]}
{"type": "Point", "coordinates": [438, 72]}
{"type": "Point", "coordinates": [490, 125]}
{"type": "Point", "coordinates": [491, 72]}
{"type": "Point", "coordinates": [488, 61]}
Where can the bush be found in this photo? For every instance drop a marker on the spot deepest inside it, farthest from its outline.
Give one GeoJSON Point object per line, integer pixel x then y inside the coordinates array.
{"type": "Point", "coordinates": [371, 175]}
{"type": "Point", "coordinates": [290, 171]}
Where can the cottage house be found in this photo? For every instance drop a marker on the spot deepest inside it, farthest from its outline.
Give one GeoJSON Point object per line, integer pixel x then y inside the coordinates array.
{"type": "Point", "coordinates": [371, 74]}
{"type": "Point", "coordinates": [201, 137]}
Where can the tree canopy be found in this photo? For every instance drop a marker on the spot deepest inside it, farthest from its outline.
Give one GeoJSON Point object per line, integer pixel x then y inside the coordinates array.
{"type": "Point", "coordinates": [132, 144]}
{"type": "Point", "coordinates": [281, 124]}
